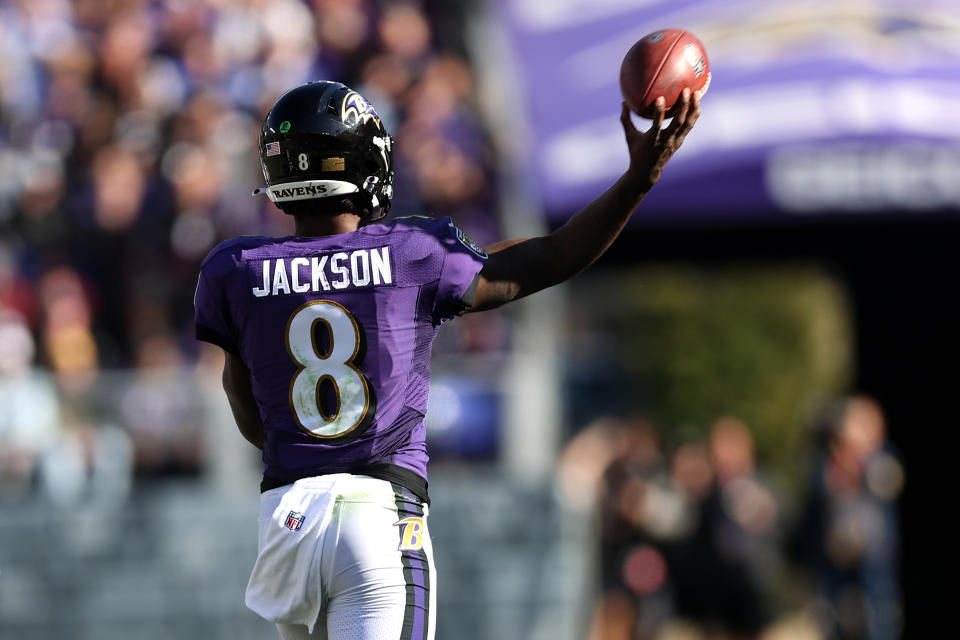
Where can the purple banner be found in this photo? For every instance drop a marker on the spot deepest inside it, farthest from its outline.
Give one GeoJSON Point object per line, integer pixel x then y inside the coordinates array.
{"type": "Point", "coordinates": [815, 105]}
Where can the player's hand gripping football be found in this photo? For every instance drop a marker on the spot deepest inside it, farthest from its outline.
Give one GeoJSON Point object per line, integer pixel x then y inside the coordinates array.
{"type": "Point", "coordinates": [519, 267]}
{"type": "Point", "coordinates": [650, 150]}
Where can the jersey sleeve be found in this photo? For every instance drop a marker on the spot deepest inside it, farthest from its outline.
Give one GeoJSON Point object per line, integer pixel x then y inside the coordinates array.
{"type": "Point", "coordinates": [211, 309]}
{"type": "Point", "coordinates": [462, 262]}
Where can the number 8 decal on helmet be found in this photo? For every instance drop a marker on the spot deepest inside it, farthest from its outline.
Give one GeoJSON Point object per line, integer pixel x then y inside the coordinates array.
{"type": "Point", "coordinates": [337, 365]}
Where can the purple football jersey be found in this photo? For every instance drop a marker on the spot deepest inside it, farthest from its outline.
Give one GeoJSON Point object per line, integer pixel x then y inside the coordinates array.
{"type": "Point", "coordinates": [337, 333]}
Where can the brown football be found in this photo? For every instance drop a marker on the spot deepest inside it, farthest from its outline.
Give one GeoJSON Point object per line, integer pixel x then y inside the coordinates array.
{"type": "Point", "coordinates": [663, 63]}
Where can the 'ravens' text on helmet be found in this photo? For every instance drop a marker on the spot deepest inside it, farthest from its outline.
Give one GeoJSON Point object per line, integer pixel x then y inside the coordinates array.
{"type": "Point", "coordinates": [324, 140]}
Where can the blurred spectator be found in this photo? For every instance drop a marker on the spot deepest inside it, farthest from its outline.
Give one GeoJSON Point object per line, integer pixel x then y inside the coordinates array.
{"type": "Point", "coordinates": [725, 570]}
{"type": "Point", "coordinates": [16, 294]}
{"type": "Point", "coordinates": [30, 415]}
{"type": "Point", "coordinates": [160, 411]}
{"type": "Point", "coordinates": [691, 541]}
{"type": "Point", "coordinates": [849, 535]}
{"type": "Point", "coordinates": [91, 464]}
{"type": "Point", "coordinates": [617, 465]}
{"type": "Point", "coordinates": [69, 344]}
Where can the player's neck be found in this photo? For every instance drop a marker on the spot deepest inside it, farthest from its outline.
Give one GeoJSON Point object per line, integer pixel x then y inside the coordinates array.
{"type": "Point", "coordinates": [325, 225]}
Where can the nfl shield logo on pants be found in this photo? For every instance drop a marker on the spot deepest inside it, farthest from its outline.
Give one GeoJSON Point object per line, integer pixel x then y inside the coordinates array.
{"type": "Point", "coordinates": [294, 521]}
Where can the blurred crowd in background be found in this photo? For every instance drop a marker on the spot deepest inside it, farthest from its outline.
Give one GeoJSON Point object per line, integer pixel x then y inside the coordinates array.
{"type": "Point", "coordinates": [695, 530]}
{"type": "Point", "coordinates": [128, 149]}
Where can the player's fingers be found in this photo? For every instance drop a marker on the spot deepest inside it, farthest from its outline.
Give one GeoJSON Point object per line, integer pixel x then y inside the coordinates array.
{"type": "Point", "coordinates": [628, 128]}
{"type": "Point", "coordinates": [692, 116]}
{"type": "Point", "coordinates": [706, 86]}
{"type": "Point", "coordinates": [680, 119]}
{"type": "Point", "coordinates": [659, 112]}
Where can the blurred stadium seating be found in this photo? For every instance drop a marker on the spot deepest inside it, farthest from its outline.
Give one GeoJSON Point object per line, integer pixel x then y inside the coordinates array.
{"type": "Point", "coordinates": [174, 559]}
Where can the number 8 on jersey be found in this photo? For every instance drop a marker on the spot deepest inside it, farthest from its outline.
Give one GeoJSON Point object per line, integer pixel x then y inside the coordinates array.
{"type": "Point", "coordinates": [337, 365]}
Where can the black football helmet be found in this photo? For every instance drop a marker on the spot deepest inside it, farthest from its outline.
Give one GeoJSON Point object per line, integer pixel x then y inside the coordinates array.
{"type": "Point", "coordinates": [323, 140]}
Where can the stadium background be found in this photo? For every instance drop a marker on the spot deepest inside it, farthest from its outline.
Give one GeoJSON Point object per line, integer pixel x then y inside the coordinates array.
{"type": "Point", "coordinates": [797, 252]}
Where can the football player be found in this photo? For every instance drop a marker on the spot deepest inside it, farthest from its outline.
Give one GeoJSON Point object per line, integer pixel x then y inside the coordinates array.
{"type": "Point", "coordinates": [327, 336]}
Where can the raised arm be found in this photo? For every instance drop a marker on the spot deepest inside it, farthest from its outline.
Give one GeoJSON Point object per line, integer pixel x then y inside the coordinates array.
{"type": "Point", "coordinates": [517, 268]}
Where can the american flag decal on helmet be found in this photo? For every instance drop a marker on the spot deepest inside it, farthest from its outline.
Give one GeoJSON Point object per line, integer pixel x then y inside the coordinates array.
{"type": "Point", "coordinates": [294, 521]}
{"type": "Point", "coordinates": [273, 148]}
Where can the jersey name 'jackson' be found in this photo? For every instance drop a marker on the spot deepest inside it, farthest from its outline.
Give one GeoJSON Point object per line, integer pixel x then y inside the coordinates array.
{"type": "Point", "coordinates": [359, 268]}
